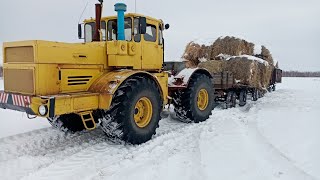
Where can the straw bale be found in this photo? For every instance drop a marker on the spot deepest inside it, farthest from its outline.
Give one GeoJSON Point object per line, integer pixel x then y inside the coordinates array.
{"type": "Point", "coordinates": [266, 55]}
{"type": "Point", "coordinates": [214, 66]}
{"type": "Point", "coordinates": [194, 52]}
{"type": "Point", "coordinates": [244, 70]}
{"type": "Point", "coordinates": [265, 74]}
{"type": "Point", "coordinates": [231, 46]}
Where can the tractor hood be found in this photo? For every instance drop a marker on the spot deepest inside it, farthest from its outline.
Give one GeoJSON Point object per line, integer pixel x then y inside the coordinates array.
{"type": "Point", "coordinates": [47, 68]}
{"type": "Point", "coordinates": [47, 52]}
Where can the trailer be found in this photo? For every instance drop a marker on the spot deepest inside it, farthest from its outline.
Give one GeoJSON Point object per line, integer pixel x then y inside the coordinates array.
{"type": "Point", "coordinates": [276, 77]}
{"type": "Point", "coordinates": [227, 89]}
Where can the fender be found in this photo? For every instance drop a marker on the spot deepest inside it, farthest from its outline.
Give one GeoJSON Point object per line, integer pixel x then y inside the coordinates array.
{"type": "Point", "coordinates": [109, 82]}
{"type": "Point", "coordinates": [182, 79]}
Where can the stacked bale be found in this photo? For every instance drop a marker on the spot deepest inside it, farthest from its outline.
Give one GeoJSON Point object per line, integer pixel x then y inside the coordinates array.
{"type": "Point", "coordinates": [191, 52]}
{"type": "Point", "coordinates": [245, 71]}
{"type": "Point", "coordinates": [214, 66]}
{"type": "Point", "coordinates": [194, 52]}
{"type": "Point", "coordinates": [231, 46]}
{"type": "Point", "coordinates": [265, 74]}
{"type": "Point", "coordinates": [266, 55]}
{"type": "Point", "coordinates": [229, 54]}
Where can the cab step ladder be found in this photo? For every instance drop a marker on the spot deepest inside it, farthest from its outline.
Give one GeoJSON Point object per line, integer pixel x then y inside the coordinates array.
{"type": "Point", "coordinates": [88, 120]}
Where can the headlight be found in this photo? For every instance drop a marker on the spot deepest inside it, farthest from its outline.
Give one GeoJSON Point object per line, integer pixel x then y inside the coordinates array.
{"type": "Point", "coordinates": [43, 110]}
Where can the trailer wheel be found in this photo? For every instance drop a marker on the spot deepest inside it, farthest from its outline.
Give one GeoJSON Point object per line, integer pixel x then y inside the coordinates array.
{"type": "Point", "coordinates": [243, 98]}
{"type": "Point", "coordinates": [255, 95]}
{"type": "Point", "coordinates": [135, 111]}
{"type": "Point", "coordinates": [231, 100]}
{"type": "Point", "coordinates": [274, 87]}
{"type": "Point", "coordinates": [195, 103]}
{"type": "Point", "coordinates": [67, 123]}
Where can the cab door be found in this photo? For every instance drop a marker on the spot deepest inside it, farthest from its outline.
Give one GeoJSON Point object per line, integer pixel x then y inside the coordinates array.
{"type": "Point", "coordinates": [152, 56]}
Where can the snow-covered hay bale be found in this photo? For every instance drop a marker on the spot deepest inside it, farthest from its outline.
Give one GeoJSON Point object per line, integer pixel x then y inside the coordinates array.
{"type": "Point", "coordinates": [231, 46]}
{"type": "Point", "coordinates": [250, 70]}
{"type": "Point", "coordinates": [245, 71]}
{"type": "Point", "coordinates": [214, 66]}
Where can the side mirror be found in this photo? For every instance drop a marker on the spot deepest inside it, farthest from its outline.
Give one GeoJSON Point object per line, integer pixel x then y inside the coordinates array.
{"type": "Point", "coordinates": [79, 31]}
{"type": "Point", "coordinates": [143, 25]}
{"type": "Point", "coordinates": [167, 26]}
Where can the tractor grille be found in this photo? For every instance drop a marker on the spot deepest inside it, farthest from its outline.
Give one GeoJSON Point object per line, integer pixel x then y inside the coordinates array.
{"type": "Point", "coordinates": [19, 81]}
{"type": "Point", "coordinates": [78, 80]}
{"type": "Point", "coordinates": [19, 54]}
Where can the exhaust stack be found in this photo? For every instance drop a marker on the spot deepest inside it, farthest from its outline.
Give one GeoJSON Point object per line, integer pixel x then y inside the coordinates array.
{"type": "Point", "coordinates": [120, 8]}
{"type": "Point", "coordinates": [96, 36]}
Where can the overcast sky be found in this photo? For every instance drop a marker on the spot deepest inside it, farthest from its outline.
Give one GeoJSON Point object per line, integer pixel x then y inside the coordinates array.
{"type": "Point", "coordinates": [289, 28]}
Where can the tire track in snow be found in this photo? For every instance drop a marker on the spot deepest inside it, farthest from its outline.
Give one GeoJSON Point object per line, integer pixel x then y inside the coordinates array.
{"type": "Point", "coordinates": [104, 159]}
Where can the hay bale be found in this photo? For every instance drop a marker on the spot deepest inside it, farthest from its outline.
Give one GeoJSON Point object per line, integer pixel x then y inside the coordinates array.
{"type": "Point", "coordinates": [231, 46]}
{"type": "Point", "coordinates": [266, 55]}
{"type": "Point", "coordinates": [265, 74]}
{"type": "Point", "coordinates": [245, 71]}
{"type": "Point", "coordinates": [194, 52]}
{"type": "Point", "coordinates": [214, 66]}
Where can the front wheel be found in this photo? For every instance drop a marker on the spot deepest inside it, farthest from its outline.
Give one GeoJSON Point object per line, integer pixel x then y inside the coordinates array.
{"type": "Point", "coordinates": [135, 113]}
{"type": "Point", "coordinates": [195, 103]}
{"type": "Point", "coordinates": [67, 123]}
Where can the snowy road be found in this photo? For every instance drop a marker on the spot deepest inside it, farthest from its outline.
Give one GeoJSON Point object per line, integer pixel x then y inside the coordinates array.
{"type": "Point", "coordinates": [274, 138]}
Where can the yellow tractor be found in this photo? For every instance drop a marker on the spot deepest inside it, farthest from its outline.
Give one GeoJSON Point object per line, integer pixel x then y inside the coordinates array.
{"type": "Point", "coordinates": [116, 79]}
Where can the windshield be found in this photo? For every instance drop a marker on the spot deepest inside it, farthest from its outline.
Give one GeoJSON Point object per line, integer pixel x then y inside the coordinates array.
{"type": "Point", "coordinates": [112, 29]}
{"type": "Point", "coordinates": [89, 30]}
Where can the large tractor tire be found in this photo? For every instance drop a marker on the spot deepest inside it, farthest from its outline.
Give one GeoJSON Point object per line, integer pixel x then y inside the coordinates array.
{"type": "Point", "coordinates": [195, 103]}
{"type": "Point", "coordinates": [135, 111]}
{"type": "Point", "coordinates": [231, 100]}
{"type": "Point", "coordinates": [67, 123]}
{"type": "Point", "coordinates": [255, 94]}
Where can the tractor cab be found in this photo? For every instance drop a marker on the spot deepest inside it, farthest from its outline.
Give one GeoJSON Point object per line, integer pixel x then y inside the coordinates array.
{"type": "Point", "coordinates": [137, 43]}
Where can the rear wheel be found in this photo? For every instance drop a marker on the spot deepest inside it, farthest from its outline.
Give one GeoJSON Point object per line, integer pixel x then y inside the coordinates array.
{"type": "Point", "coordinates": [195, 103]}
{"type": "Point", "coordinates": [135, 111]}
{"type": "Point", "coordinates": [274, 87]}
{"type": "Point", "coordinates": [67, 123]}
{"type": "Point", "coordinates": [255, 95]}
{"type": "Point", "coordinates": [231, 100]}
{"type": "Point", "coordinates": [243, 98]}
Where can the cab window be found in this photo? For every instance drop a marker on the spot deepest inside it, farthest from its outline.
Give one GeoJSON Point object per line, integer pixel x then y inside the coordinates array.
{"type": "Point", "coordinates": [136, 33]}
{"type": "Point", "coordinates": [89, 30]}
{"type": "Point", "coordinates": [112, 29]}
{"type": "Point", "coordinates": [160, 36]}
{"type": "Point", "coordinates": [151, 34]}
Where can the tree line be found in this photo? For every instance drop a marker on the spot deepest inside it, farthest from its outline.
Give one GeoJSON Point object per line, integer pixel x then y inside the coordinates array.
{"type": "Point", "coordinates": [300, 74]}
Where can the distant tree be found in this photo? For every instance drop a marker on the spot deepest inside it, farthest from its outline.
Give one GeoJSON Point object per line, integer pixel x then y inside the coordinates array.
{"type": "Point", "coordinates": [300, 74]}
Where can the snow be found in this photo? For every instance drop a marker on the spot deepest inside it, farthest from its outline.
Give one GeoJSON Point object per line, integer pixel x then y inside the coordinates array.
{"type": "Point", "coordinates": [276, 137]}
{"type": "Point", "coordinates": [185, 75]}
{"type": "Point", "coordinates": [253, 58]}
{"type": "Point", "coordinates": [17, 122]}
{"type": "Point", "coordinates": [204, 41]}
